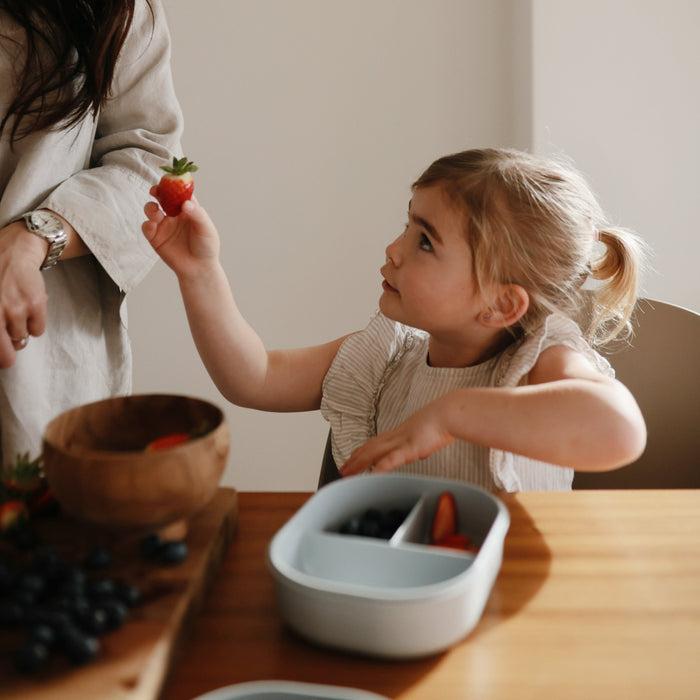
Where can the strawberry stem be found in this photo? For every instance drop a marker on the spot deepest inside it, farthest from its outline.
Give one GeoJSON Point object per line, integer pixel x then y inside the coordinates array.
{"type": "Point", "coordinates": [180, 166]}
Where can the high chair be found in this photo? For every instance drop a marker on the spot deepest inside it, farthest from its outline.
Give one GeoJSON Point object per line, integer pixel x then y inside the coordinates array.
{"type": "Point", "coordinates": [661, 367]}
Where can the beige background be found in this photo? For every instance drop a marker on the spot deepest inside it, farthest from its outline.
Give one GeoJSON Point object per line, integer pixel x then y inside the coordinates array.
{"type": "Point", "coordinates": [310, 119]}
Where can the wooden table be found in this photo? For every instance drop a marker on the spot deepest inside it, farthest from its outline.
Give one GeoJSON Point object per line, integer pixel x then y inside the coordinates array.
{"type": "Point", "coordinates": [598, 597]}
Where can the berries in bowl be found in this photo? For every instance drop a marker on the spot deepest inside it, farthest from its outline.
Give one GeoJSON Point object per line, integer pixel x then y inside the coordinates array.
{"type": "Point", "coordinates": [140, 463]}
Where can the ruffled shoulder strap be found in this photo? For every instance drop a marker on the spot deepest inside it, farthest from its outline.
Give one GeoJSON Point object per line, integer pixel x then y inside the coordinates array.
{"type": "Point", "coordinates": [520, 358]}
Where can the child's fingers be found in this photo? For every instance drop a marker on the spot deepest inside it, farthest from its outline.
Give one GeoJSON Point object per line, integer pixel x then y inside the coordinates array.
{"type": "Point", "coordinates": [153, 212]}
{"type": "Point", "coordinates": [149, 229]}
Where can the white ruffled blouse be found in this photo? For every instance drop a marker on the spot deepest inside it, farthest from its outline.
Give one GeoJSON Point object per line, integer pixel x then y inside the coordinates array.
{"type": "Point", "coordinates": [381, 376]}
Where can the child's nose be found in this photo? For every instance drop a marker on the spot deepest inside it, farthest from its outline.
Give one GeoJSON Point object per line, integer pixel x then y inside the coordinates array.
{"type": "Point", "coordinates": [392, 251]}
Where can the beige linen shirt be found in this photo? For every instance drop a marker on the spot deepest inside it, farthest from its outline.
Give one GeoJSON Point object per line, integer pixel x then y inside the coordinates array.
{"type": "Point", "coordinates": [97, 176]}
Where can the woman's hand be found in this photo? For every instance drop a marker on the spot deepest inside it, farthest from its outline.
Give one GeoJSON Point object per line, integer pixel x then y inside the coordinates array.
{"type": "Point", "coordinates": [416, 438]}
{"type": "Point", "coordinates": [187, 243]}
{"type": "Point", "coordinates": [22, 290]}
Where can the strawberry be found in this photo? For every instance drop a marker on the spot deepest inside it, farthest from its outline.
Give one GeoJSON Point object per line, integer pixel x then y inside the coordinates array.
{"type": "Point", "coordinates": [445, 517]}
{"type": "Point", "coordinates": [171, 440]}
{"type": "Point", "coordinates": [457, 541]}
{"type": "Point", "coordinates": [176, 186]}
{"type": "Point", "coordinates": [11, 512]}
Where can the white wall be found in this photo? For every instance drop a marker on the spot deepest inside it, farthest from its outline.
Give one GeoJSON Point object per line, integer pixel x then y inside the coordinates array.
{"type": "Point", "coordinates": [617, 88]}
{"type": "Point", "coordinates": [309, 120]}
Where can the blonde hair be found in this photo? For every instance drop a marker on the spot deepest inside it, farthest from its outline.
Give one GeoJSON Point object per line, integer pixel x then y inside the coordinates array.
{"type": "Point", "coordinates": [535, 222]}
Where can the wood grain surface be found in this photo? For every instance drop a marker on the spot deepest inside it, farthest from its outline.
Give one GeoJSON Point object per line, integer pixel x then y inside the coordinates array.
{"type": "Point", "coordinates": [598, 597]}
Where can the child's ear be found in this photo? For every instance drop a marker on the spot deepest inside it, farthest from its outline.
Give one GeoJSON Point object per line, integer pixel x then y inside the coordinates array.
{"type": "Point", "coordinates": [507, 308]}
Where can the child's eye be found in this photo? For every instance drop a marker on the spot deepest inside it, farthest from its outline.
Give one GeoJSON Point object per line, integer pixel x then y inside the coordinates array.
{"type": "Point", "coordinates": [424, 243]}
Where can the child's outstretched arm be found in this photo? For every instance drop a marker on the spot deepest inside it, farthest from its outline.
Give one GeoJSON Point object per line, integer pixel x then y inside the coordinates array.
{"type": "Point", "coordinates": [242, 369]}
{"type": "Point", "coordinates": [568, 414]}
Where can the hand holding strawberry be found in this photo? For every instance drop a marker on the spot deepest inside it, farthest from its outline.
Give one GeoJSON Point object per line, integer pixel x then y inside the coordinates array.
{"type": "Point", "coordinates": [176, 186]}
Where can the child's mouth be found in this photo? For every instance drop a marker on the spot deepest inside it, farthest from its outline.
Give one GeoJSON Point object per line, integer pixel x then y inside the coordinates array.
{"type": "Point", "coordinates": [388, 288]}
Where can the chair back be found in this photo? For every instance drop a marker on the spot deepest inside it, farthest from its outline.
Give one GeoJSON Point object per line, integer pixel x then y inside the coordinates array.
{"type": "Point", "coordinates": [661, 367]}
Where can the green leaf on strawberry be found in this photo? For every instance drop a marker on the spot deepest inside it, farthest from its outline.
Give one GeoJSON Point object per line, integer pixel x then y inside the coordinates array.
{"type": "Point", "coordinates": [25, 476]}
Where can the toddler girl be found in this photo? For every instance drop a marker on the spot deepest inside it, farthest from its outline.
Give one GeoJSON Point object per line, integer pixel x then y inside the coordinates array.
{"type": "Point", "coordinates": [473, 368]}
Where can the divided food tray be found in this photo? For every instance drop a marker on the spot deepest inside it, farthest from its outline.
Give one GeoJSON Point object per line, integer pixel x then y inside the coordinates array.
{"type": "Point", "coordinates": [398, 598]}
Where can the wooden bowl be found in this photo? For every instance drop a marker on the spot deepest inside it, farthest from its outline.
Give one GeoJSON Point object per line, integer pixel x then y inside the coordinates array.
{"type": "Point", "coordinates": [99, 470]}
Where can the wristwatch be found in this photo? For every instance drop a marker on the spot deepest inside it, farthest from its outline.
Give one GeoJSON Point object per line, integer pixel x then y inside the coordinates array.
{"type": "Point", "coordinates": [50, 228]}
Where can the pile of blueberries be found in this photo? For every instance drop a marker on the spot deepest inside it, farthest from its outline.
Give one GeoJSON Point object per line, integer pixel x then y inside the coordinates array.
{"type": "Point", "coordinates": [374, 522]}
{"type": "Point", "coordinates": [64, 607]}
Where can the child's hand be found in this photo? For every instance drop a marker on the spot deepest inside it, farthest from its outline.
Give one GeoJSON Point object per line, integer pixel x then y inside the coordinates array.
{"type": "Point", "coordinates": [187, 243]}
{"type": "Point", "coordinates": [416, 438]}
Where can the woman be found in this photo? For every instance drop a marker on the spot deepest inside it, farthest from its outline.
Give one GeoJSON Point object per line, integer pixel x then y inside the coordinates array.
{"type": "Point", "coordinates": [88, 115]}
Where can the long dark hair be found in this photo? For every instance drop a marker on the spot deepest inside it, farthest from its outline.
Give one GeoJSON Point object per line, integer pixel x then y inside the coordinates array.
{"type": "Point", "coordinates": [71, 50]}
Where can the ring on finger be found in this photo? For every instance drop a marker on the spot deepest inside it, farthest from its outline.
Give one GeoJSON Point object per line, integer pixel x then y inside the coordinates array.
{"type": "Point", "coordinates": [21, 342]}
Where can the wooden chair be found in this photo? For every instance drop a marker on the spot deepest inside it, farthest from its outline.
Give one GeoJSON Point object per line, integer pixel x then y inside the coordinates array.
{"type": "Point", "coordinates": [329, 470]}
{"type": "Point", "coordinates": [661, 367]}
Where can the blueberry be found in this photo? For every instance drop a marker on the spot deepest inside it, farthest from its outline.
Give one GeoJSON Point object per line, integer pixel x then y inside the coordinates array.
{"type": "Point", "coordinates": [45, 559]}
{"type": "Point", "coordinates": [370, 528]}
{"type": "Point", "coordinates": [73, 581]}
{"type": "Point", "coordinates": [150, 546]}
{"type": "Point", "coordinates": [101, 588]}
{"type": "Point", "coordinates": [351, 526]}
{"type": "Point", "coordinates": [73, 605]}
{"type": "Point", "coordinates": [97, 558]}
{"type": "Point", "coordinates": [31, 656]}
{"type": "Point", "coordinates": [395, 517]}
{"type": "Point", "coordinates": [78, 647]}
{"type": "Point", "coordinates": [172, 552]}
{"type": "Point", "coordinates": [31, 582]}
{"type": "Point", "coordinates": [54, 618]}
{"type": "Point", "coordinates": [129, 595]}
{"type": "Point", "coordinates": [44, 634]}
{"type": "Point", "coordinates": [116, 612]}
{"type": "Point", "coordinates": [94, 620]}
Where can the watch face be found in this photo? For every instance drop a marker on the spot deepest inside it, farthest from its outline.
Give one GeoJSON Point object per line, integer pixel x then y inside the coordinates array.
{"type": "Point", "coordinates": [48, 223]}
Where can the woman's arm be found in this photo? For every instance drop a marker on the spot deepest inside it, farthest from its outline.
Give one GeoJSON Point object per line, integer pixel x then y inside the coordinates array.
{"type": "Point", "coordinates": [138, 129]}
{"type": "Point", "coordinates": [568, 414]}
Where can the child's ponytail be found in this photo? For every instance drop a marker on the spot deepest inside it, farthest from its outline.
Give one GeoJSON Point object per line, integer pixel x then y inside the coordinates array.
{"type": "Point", "coordinates": [618, 270]}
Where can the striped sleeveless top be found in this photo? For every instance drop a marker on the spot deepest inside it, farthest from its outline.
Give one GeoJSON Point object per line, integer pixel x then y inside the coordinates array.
{"type": "Point", "coordinates": [381, 376]}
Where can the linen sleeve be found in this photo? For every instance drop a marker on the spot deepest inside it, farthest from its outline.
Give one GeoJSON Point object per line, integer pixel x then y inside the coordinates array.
{"type": "Point", "coordinates": [137, 131]}
{"type": "Point", "coordinates": [354, 381]}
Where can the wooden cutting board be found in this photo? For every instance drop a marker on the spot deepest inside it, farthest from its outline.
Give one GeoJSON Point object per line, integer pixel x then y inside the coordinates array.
{"type": "Point", "coordinates": [135, 660]}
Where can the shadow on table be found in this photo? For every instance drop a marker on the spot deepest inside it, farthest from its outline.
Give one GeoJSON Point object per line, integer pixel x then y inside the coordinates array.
{"type": "Point", "coordinates": [525, 567]}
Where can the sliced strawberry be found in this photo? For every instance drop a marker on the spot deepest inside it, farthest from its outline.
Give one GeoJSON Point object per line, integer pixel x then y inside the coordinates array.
{"type": "Point", "coordinates": [445, 517]}
{"type": "Point", "coordinates": [176, 186]}
{"type": "Point", "coordinates": [11, 512]}
{"type": "Point", "coordinates": [163, 443]}
{"type": "Point", "coordinates": [457, 541]}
